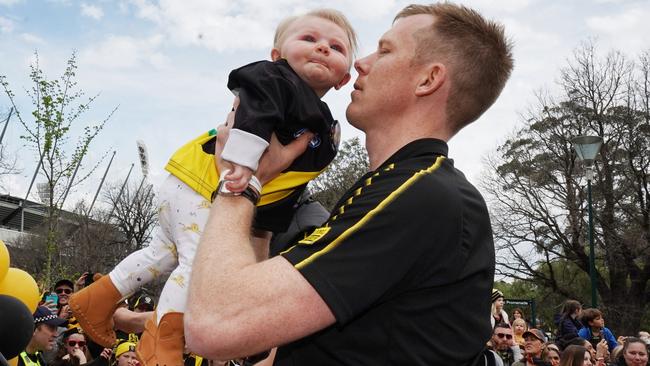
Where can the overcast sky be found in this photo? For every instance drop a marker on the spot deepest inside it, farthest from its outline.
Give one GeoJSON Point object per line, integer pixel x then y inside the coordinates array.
{"type": "Point", "coordinates": [165, 64]}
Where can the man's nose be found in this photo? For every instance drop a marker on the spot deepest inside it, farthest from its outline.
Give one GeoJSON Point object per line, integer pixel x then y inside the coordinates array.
{"type": "Point", "coordinates": [362, 65]}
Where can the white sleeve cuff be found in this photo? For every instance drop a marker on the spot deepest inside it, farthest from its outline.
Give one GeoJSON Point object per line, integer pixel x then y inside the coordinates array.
{"type": "Point", "coordinates": [244, 148]}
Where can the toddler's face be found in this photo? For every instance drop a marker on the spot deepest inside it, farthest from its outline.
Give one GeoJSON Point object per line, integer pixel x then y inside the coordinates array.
{"type": "Point", "coordinates": [318, 51]}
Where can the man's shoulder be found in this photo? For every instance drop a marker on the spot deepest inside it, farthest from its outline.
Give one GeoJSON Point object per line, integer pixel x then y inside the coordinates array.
{"type": "Point", "coordinates": [409, 174]}
{"type": "Point", "coordinates": [425, 158]}
{"type": "Point", "coordinates": [425, 178]}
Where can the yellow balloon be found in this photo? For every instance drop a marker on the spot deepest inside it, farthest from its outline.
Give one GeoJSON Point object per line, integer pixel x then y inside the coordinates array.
{"type": "Point", "coordinates": [13, 361]}
{"type": "Point", "coordinates": [4, 260]}
{"type": "Point", "coordinates": [21, 285]}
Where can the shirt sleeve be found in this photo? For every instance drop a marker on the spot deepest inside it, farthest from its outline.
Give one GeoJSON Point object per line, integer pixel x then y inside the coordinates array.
{"type": "Point", "coordinates": [264, 95]}
{"type": "Point", "coordinates": [368, 250]}
{"type": "Point", "coordinates": [611, 339]}
{"type": "Point", "coordinates": [272, 99]}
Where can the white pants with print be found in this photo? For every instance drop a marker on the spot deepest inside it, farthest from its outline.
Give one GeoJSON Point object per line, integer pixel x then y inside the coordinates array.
{"type": "Point", "coordinates": [182, 213]}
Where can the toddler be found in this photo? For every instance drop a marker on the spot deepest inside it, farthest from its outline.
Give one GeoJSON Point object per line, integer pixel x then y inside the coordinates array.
{"type": "Point", "coordinates": [311, 54]}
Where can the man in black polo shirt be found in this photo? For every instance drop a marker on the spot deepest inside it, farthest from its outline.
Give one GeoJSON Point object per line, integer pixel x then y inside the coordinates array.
{"type": "Point", "coordinates": [401, 273]}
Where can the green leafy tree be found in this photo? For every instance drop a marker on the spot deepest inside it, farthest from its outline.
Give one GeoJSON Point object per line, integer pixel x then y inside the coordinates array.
{"type": "Point", "coordinates": [537, 190]}
{"type": "Point", "coordinates": [548, 302]}
{"type": "Point", "coordinates": [350, 163]}
{"type": "Point", "coordinates": [54, 132]}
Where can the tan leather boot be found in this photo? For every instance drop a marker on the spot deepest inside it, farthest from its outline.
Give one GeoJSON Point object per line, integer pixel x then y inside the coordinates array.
{"type": "Point", "coordinates": [93, 307]}
{"type": "Point", "coordinates": [162, 344]}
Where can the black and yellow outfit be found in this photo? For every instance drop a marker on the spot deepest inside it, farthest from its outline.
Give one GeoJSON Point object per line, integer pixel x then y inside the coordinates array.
{"type": "Point", "coordinates": [406, 264]}
{"type": "Point", "coordinates": [273, 99]}
{"type": "Point", "coordinates": [26, 359]}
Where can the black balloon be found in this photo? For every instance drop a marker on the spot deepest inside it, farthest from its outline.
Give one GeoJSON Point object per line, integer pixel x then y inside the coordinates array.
{"type": "Point", "coordinates": [16, 326]}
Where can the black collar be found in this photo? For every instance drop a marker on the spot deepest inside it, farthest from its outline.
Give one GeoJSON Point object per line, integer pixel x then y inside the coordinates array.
{"type": "Point", "coordinates": [420, 147]}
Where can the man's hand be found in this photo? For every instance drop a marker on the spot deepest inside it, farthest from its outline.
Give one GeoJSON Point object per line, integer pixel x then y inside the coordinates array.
{"type": "Point", "coordinates": [278, 157]}
{"type": "Point", "coordinates": [222, 136]}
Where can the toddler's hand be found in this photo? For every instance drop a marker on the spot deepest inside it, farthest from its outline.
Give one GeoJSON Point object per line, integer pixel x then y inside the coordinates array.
{"type": "Point", "coordinates": [238, 178]}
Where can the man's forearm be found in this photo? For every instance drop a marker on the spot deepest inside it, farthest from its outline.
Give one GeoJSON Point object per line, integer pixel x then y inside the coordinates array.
{"type": "Point", "coordinates": [260, 240]}
{"type": "Point", "coordinates": [238, 307]}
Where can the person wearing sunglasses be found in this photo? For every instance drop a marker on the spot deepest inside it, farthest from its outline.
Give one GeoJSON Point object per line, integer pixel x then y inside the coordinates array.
{"type": "Point", "coordinates": [75, 351]}
{"type": "Point", "coordinates": [503, 343]}
{"type": "Point", "coordinates": [63, 289]}
{"type": "Point", "coordinates": [74, 347]}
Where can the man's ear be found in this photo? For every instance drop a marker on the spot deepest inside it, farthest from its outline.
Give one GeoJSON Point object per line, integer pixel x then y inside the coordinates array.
{"type": "Point", "coordinates": [343, 81]}
{"type": "Point", "coordinates": [433, 78]}
{"type": "Point", "coordinates": [275, 54]}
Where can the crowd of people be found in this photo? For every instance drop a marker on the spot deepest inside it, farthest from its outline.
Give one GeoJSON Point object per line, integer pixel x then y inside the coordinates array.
{"type": "Point", "coordinates": [581, 339]}
{"type": "Point", "coordinates": [59, 340]}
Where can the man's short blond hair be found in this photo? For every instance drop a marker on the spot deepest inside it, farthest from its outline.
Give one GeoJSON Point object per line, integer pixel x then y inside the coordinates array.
{"type": "Point", "coordinates": [476, 52]}
{"type": "Point", "coordinates": [332, 15]}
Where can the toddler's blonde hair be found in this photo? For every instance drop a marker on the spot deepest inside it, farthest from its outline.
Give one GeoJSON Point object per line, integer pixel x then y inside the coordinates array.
{"type": "Point", "coordinates": [332, 15]}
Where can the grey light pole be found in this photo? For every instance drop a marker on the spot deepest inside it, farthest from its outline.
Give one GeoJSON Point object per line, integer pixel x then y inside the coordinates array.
{"type": "Point", "coordinates": [587, 148]}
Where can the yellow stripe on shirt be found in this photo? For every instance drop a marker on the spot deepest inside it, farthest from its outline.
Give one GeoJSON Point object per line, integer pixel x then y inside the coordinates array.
{"type": "Point", "coordinates": [391, 197]}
